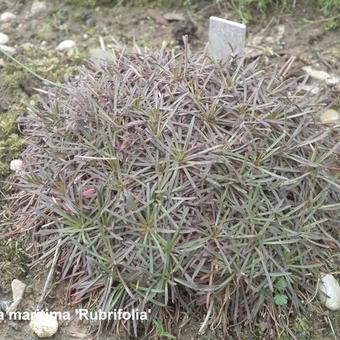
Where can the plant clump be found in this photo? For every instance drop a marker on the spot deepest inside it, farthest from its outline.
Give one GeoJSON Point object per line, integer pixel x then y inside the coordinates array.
{"type": "Point", "coordinates": [170, 182]}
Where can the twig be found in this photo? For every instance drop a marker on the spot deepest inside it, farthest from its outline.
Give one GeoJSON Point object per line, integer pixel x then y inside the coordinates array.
{"type": "Point", "coordinates": [315, 293]}
{"type": "Point", "coordinates": [311, 22]}
{"type": "Point", "coordinates": [203, 326]}
{"type": "Point", "coordinates": [102, 44]}
{"type": "Point", "coordinates": [330, 323]}
{"type": "Point", "coordinates": [97, 158]}
{"type": "Point", "coordinates": [50, 274]}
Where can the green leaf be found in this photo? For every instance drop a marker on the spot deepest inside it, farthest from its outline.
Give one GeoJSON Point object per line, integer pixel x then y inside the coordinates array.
{"type": "Point", "coordinates": [281, 284]}
{"type": "Point", "coordinates": [281, 299]}
{"type": "Point", "coordinates": [161, 330]}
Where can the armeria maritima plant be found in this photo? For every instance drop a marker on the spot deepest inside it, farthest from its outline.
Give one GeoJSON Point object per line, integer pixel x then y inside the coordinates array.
{"type": "Point", "coordinates": [173, 183]}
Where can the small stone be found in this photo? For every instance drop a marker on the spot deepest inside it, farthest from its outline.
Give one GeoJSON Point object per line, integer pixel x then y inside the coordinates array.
{"type": "Point", "coordinates": [173, 16]}
{"type": "Point", "coordinates": [7, 16]}
{"type": "Point", "coordinates": [332, 80]}
{"type": "Point", "coordinates": [330, 292]}
{"type": "Point", "coordinates": [44, 325]}
{"type": "Point", "coordinates": [3, 38]}
{"type": "Point", "coordinates": [329, 117]}
{"type": "Point", "coordinates": [38, 7]}
{"type": "Point", "coordinates": [66, 45]}
{"type": "Point", "coordinates": [16, 165]}
{"type": "Point", "coordinates": [312, 89]}
{"type": "Point", "coordinates": [18, 289]}
{"type": "Point", "coordinates": [280, 32]}
{"type": "Point", "coordinates": [322, 75]}
{"type": "Point", "coordinates": [10, 50]}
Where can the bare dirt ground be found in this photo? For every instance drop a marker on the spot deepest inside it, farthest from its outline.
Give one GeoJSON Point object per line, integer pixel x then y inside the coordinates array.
{"type": "Point", "coordinates": [301, 32]}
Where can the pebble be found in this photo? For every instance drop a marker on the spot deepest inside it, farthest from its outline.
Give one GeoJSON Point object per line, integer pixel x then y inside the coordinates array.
{"type": "Point", "coordinates": [38, 7]}
{"type": "Point", "coordinates": [7, 16]}
{"type": "Point", "coordinates": [10, 50]}
{"type": "Point", "coordinates": [313, 89]}
{"type": "Point", "coordinates": [18, 289]}
{"type": "Point", "coordinates": [66, 45]}
{"type": "Point", "coordinates": [44, 325]}
{"type": "Point", "coordinates": [16, 165]}
{"type": "Point", "coordinates": [329, 117]}
{"type": "Point", "coordinates": [322, 75]}
{"type": "Point", "coordinates": [330, 286]}
{"type": "Point", "coordinates": [173, 16]}
{"type": "Point", "coordinates": [3, 38]}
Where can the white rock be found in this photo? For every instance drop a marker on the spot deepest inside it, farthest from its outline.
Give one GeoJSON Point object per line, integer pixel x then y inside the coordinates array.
{"type": "Point", "coordinates": [18, 289]}
{"type": "Point", "coordinates": [3, 38]}
{"type": "Point", "coordinates": [174, 16]}
{"type": "Point", "coordinates": [332, 80]}
{"type": "Point", "coordinates": [313, 89]}
{"type": "Point", "coordinates": [7, 16]}
{"type": "Point", "coordinates": [38, 7]}
{"type": "Point", "coordinates": [329, 117]}
{"type": "Point", "coordinates": [321, 75]}
{"type": "Point", "coordinates": [44, 324]}
{"type": "Point", "coordinates": [329, 290]}
{"type": "Point", "coordinates": [16, 165]}
{"type": "Point", "coordinates": [66, 45]}
{"type": "Point", "coordinates": [9, 49]}
{"type": "Point", "coordinates": [280, 32]}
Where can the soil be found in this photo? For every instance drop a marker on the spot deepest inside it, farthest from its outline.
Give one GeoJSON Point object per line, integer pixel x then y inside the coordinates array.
{"type": "Point", "coordinates": [301, 32]}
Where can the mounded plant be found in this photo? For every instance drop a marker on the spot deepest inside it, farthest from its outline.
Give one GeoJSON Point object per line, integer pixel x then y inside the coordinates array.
{"type": "Point", "coordinates": [170, 182]}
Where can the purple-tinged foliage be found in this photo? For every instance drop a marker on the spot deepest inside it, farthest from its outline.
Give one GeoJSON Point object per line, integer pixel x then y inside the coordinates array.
{"type": "Point", "coordinates": [183, 186]}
